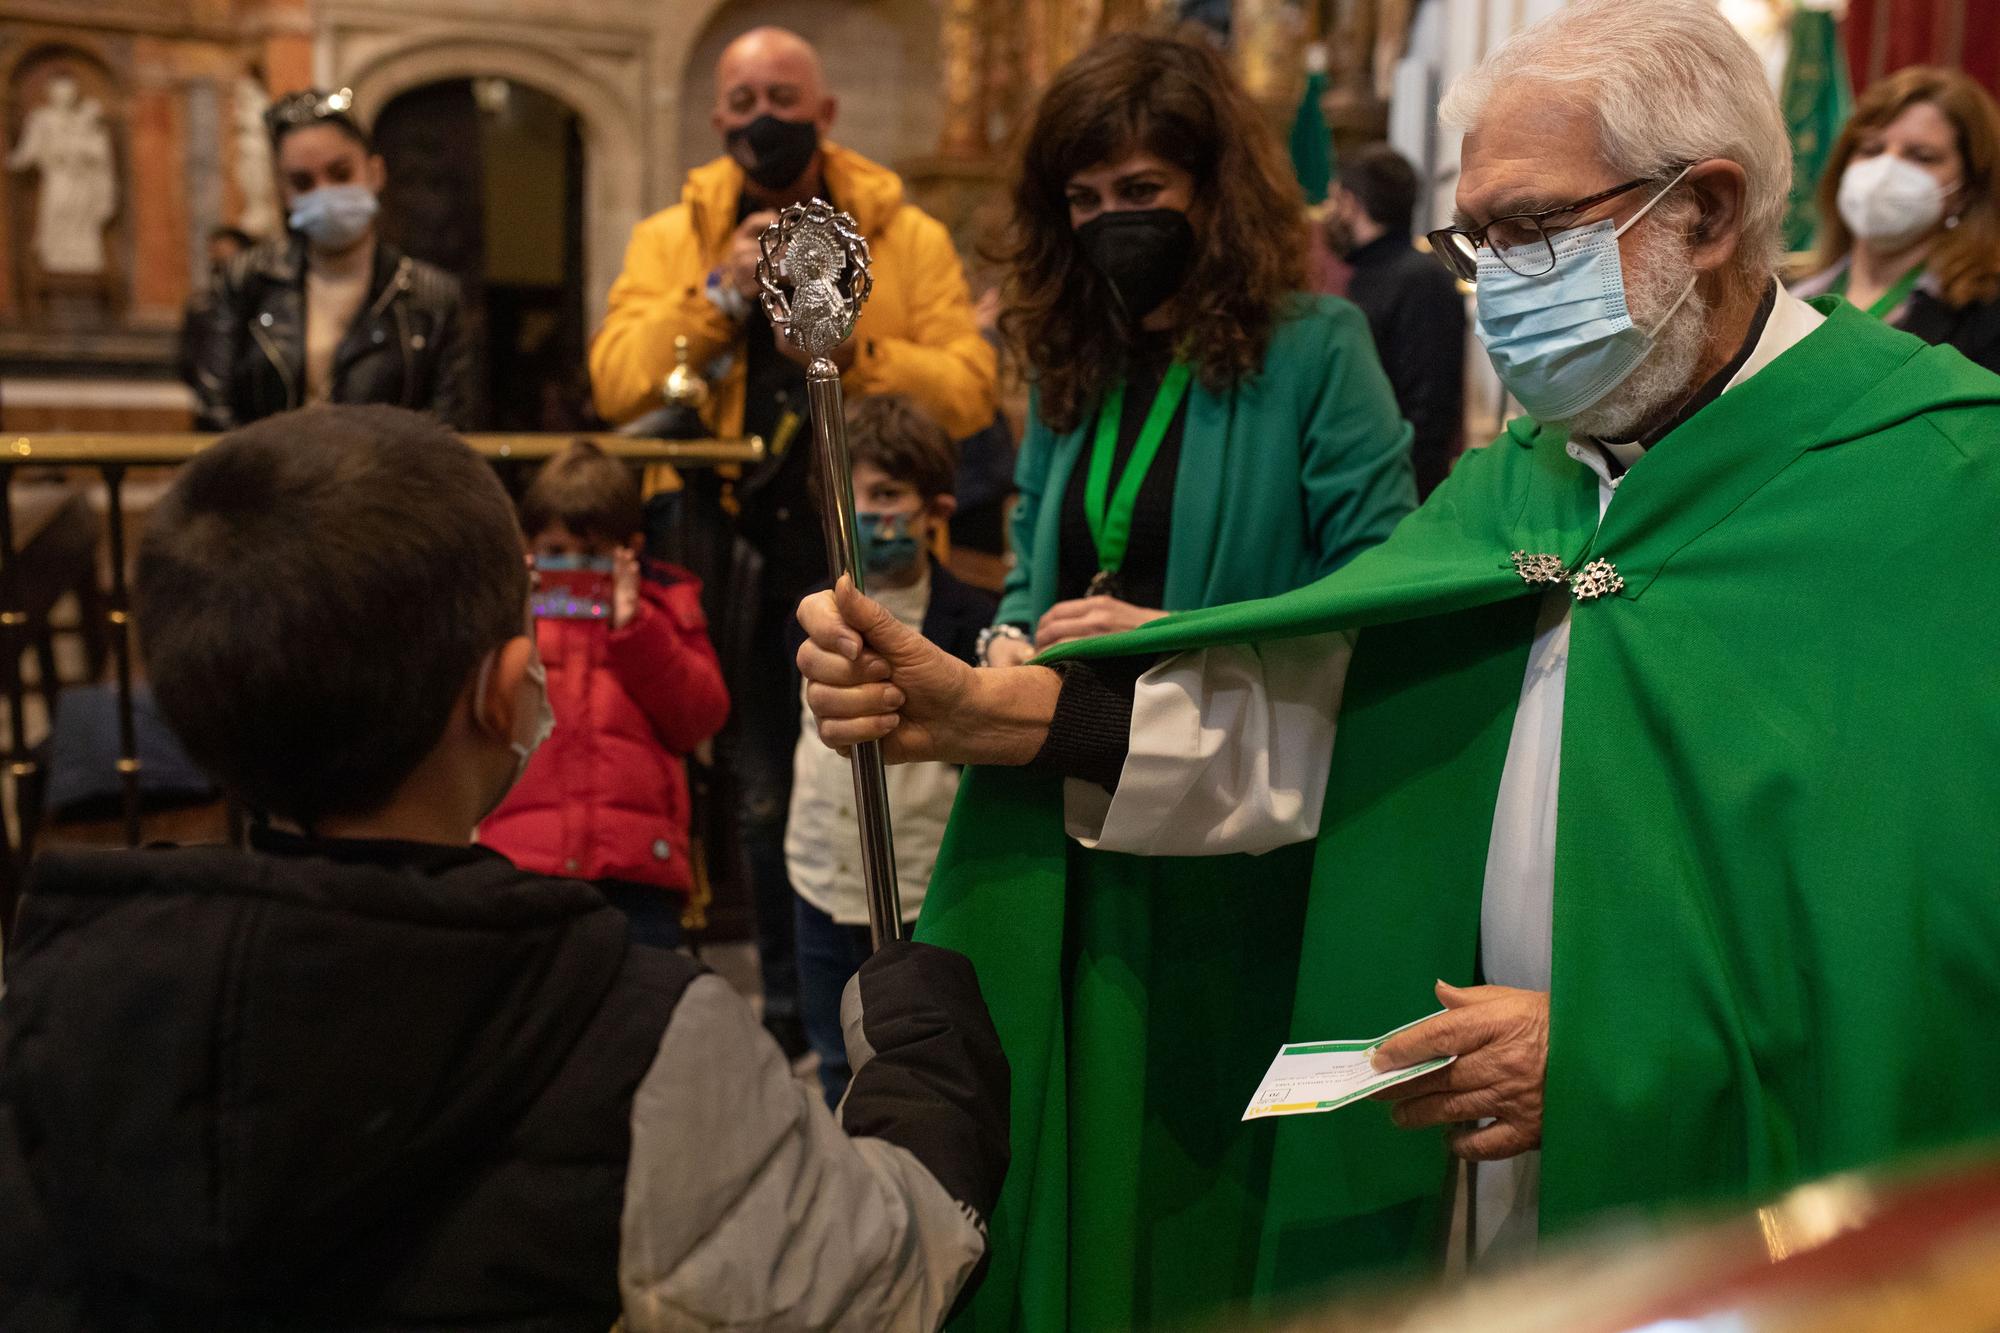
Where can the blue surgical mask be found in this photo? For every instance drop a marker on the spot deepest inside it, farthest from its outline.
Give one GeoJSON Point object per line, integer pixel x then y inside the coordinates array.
{"type": "Point", "coordinates": [334, 217]}
{"type": "Point", "coordinates": [1562, 341]}
{"type": "Point", "coordinates": [885, 543]}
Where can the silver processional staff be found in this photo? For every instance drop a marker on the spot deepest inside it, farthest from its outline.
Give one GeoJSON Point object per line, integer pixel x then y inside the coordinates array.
{"type": "Point", "coordinates": [822, 257]}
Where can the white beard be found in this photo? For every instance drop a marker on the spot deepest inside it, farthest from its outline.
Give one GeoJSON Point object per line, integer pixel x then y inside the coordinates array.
{"type": "Point", "coordinates": [1655, 277]}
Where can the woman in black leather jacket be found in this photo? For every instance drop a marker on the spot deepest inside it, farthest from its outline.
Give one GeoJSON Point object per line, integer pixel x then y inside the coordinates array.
{"type": "Point", "coordinates": [328, 312]}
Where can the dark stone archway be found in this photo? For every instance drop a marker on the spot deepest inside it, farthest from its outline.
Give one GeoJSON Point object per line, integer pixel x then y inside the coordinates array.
{"type": "Point", "coordinates": [486, 181]}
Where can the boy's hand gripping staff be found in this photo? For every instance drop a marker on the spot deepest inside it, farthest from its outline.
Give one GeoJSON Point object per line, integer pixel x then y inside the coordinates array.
{"type": "Point", "coordinates": [823, 258]}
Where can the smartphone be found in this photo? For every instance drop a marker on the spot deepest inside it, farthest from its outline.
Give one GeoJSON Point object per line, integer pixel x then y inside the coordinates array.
{"type": "Point", "coordinates": [572, 587]}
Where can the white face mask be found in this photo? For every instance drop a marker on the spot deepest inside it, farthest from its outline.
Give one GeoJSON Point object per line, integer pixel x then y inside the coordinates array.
{"type": "Point", "coordinates": [1884, 198]}
{"type": "Point", "coordinates": [544, 723]}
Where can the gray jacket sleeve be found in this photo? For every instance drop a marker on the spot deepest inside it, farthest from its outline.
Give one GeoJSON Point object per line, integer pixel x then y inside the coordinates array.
{"type": "Point", "coordinates": [748, 1207]}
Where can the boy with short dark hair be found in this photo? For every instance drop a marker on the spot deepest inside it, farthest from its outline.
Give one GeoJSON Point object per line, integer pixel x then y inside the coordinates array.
{"type": "Point", "coordinates": [365, 1074]}
{"type": "Point", "coordinates": [904, 468]}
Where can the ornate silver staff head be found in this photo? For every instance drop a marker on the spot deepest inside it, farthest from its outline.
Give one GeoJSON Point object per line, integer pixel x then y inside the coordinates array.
{"type": "Point", "coordinates": [812, 248]}
{"type": "Point", "coordinates": [823, 258]}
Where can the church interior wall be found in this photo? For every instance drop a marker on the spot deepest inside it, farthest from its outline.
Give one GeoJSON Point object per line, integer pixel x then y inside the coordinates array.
{"type": "Point", "coordinates": [182, 82]}
{"type": "Point", "coordinates": [171, 78]}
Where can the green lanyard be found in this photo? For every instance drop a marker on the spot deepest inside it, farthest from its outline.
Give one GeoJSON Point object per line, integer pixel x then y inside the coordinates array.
{"type": "Point", "coordinates": [1892, 298]}
{"type": "Point", "coordinates": [1110, 514]}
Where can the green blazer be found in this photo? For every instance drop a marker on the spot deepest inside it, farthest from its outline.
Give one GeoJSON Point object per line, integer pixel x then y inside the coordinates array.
{"type": "Point", "coordinates": [1283, 478]}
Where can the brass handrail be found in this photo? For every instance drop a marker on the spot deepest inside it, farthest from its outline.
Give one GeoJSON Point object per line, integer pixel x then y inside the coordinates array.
{"type": "Point", "coordinates": [144, 450]}
{"type": "Point", "coordinates": [112, 454]}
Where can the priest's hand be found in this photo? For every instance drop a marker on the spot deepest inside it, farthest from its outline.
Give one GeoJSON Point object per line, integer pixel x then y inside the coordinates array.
{"type": "Point", "coordinates": [1501, 1038]}
{"type": "Point", "coordinates": [871, 677]}
{"type": "Point", "coordinates": [1088, 617]}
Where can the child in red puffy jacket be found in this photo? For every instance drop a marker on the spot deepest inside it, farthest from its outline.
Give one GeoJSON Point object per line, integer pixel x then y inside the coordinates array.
{"type": "Point", "coordinates": [635, 687]}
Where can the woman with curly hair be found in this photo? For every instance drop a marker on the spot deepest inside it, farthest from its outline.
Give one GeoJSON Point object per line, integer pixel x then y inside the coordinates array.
{"type": "Point", "coordinates": [1910, 211]}
{"type": "Point", "coordinates": [1201, 431]}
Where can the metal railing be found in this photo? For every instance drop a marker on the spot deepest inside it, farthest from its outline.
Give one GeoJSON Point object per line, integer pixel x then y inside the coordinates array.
{"type": "Point", "coordinates": [112, 455]}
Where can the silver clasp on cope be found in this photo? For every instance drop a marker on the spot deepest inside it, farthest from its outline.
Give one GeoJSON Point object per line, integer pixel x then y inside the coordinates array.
{"type": "Point", "coordinates": [1598, 579]}
{"type": "Point", "coordinates": [1539, 568]}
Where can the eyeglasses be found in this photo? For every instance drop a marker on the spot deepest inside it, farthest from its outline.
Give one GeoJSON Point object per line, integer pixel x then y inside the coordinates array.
{"type": "Point", "coordinates": [1519, 240]}
{"type": "Point", "coordinates": [309, 106]}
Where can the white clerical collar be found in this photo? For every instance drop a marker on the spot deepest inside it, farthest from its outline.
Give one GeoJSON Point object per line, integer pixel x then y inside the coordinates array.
{"type": "Point", "coordinates": [1791, 320]}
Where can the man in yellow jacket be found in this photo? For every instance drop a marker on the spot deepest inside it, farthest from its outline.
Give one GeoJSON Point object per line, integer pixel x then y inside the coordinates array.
{"type": "Point", "coordinates": [690, 271]}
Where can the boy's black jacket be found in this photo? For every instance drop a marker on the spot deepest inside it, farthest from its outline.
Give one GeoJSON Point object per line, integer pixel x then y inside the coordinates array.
{"type": "Point", "coordinates": [375, 1084]}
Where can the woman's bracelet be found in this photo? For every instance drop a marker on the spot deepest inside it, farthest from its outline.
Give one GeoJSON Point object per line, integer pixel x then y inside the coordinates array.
{"type": "Point", "coordinates": [992, 632]}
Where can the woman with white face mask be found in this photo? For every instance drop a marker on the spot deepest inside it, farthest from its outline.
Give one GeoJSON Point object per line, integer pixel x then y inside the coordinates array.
{"type": "Point", "coordinates": [1910, 211]}
{"type": "Point", "coordinates": [328, 312]}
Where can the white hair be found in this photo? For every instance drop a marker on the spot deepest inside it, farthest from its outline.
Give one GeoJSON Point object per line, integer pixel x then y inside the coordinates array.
{"type": "Point", "coordinates": [1670, 82]}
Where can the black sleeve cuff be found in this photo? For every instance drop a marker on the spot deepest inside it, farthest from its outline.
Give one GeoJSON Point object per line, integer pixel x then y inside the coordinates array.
{"type": "Point", "coordinates": [930, 1075]}
{"type": "Point", "coordinates": [1091, 732]}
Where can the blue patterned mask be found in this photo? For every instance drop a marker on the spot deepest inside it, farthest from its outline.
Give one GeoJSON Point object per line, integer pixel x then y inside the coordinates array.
{"type": "Point", "coordinates": [885, 543]}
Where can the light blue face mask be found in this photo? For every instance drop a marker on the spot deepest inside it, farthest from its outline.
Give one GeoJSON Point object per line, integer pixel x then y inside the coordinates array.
{"type": "Point", "coordinates": [1563, 340]}
{"type": "Point", "coordinates": [334, 217]}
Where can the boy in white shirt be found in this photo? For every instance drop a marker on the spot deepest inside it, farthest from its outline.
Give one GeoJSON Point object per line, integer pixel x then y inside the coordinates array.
{"type": "Point", "coordinates": [904, 465]}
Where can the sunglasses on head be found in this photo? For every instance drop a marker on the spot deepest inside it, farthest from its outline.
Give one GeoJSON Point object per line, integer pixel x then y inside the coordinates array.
{"type": "Point", "coordinates": [310, 106]}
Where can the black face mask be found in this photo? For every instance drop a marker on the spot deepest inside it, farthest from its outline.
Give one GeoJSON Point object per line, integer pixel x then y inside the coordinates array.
{"type": "Point", "coordinates": [778, 149]}
{"type": "Point", "coordinates": [1143, 253]}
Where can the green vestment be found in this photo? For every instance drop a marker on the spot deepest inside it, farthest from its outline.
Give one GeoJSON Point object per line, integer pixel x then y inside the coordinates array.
{"type": "Point", "coordinates": [1776, 915]}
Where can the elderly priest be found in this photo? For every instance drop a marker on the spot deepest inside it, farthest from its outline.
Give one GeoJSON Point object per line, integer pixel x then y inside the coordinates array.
{"type": "Point", "coordinates": [1668, 731]}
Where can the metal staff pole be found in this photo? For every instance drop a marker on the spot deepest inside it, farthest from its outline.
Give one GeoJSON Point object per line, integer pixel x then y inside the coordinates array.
{"type": "Point", "coordinates": [822, 255]}
{"type": "Point", "coordinates": [19, 760]}
{"type": "Point", "coordinates": [120, 616]}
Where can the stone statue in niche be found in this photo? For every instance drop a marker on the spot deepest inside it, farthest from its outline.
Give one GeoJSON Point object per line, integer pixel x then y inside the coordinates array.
{"type": "Point", "coordinates": [252, 149]}
{"type": "Point", "coordinates": [67, 141]}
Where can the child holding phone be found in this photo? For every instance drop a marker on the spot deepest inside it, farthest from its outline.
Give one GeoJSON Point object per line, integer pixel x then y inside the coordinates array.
{"type": "Point", "coordinates": [635, 686]}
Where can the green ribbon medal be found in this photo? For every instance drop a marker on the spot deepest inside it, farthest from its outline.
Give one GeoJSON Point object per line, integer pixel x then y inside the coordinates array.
{"type": "Point", "coordinates": [1892, 298]}
{"type": "Point", "coordinates": [1109, 512]}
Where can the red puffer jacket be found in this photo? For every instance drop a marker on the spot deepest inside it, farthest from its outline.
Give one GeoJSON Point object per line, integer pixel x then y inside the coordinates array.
{"type": "Point", "coordinates": [606, 796]}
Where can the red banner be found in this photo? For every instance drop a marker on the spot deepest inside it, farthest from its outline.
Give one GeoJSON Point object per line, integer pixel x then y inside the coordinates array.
{"type": "Point", "coordinates": [1885, 35]}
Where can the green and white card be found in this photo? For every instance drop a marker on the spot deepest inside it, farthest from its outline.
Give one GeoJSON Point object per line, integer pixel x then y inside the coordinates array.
{"type": "Point", "coordinates": [1312, 1076]}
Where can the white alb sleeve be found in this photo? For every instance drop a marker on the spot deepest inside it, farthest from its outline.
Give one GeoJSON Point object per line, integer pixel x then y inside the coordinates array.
{"type": "Point", "coordinates": [1229, 752]}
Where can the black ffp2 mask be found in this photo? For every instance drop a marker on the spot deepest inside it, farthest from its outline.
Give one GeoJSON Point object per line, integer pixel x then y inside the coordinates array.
{"type": "Point", "coordinates": [778, 150]}
{"type": "Point", "coordinates": [1143, 253]}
